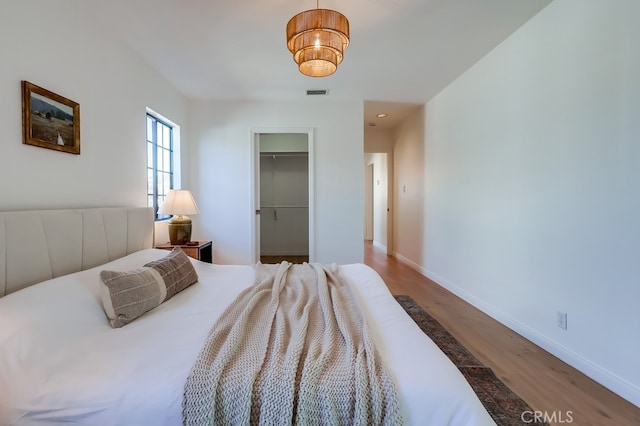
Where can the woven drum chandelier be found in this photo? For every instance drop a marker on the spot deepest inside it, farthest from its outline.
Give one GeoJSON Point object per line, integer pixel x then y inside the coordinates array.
{"type": "Point", "coordinates": [318, 38]}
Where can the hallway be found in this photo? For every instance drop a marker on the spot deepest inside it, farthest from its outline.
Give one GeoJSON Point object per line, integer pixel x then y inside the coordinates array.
{"type": "Point", "coordinates": [545, 382]}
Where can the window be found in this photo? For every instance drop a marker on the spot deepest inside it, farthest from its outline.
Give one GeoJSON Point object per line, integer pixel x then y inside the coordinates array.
{"type": "Point", "coordinates": [160, 162]}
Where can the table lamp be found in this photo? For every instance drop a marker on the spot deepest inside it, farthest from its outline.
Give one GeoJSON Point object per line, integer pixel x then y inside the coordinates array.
{"type": "Point", "coordinates": [179, 203]}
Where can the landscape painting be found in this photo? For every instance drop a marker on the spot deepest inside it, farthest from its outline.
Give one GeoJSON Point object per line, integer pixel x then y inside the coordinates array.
{"type": "Point", "coordinates": [50, 120]}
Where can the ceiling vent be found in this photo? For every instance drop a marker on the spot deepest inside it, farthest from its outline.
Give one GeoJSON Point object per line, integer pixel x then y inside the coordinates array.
{"type": "Point", "coordinates": [317, 92]}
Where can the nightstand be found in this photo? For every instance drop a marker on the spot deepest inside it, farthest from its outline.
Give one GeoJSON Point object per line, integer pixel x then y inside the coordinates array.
{"type": "Point", "coordinates": [202, 251]}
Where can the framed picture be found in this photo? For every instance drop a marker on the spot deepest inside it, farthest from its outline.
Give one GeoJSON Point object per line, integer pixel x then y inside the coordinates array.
{"type": "Point", "coordinates": [49, 120]}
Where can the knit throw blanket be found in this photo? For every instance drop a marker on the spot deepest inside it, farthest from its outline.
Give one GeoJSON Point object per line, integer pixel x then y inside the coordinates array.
{"type": "Point", "coordinates": [293, 349]}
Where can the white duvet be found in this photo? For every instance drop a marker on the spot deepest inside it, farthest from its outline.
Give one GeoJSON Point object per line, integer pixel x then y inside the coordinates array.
{"type": "Point", "coordinates": [61, 362]}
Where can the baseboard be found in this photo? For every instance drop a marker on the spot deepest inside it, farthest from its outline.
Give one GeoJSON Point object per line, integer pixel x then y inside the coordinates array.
{"type": "Point", "coordinates": [611, 381]}
{"type": "Point", "coordinates": [379, 245]}
{"type": "Point", "coordinates": [412, 264]}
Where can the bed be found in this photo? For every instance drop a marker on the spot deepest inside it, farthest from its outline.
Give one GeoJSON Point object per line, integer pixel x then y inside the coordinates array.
{"type": "Point", "coordinates": [62, 362]}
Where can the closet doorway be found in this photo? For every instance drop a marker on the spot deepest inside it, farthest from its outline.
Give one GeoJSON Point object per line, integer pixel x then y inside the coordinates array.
{"type": "Point", "coordinates": [282, 197]}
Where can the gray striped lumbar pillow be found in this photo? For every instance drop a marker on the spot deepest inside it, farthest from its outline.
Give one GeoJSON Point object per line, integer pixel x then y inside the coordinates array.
{"type": "Point", "coordinates": [176, 271]}
{"type": "Point", "coordinates": [128, 295]}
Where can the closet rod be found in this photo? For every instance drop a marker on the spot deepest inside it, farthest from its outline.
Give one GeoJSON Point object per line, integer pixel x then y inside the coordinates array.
{"type": "Point", "coordinates": [285, 207]}
{"type": "Point", "coordinates": [284, 154]}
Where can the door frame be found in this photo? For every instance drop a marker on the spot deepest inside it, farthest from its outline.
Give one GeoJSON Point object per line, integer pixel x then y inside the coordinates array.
{"type": "Point", "coordinates": [255, 185]}
{"type": "Point", "coordinates": [369, 201]}
{"type": "Point", "coordinates": [386, 216]}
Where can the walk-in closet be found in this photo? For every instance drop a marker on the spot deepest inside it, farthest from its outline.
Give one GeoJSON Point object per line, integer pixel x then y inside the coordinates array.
{"type": "Point", "coordinates": [284, 196]}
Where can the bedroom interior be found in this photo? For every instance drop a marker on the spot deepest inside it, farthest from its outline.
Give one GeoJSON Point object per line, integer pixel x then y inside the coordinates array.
{"type": "Point", "coordinates": [512, 169]}
{"type": "Point", "coordinates": [237, 341]}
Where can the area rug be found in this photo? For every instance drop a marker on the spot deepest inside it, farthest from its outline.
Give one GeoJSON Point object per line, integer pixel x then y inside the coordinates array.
{"type": "Point", "coordinates": [505, 406]}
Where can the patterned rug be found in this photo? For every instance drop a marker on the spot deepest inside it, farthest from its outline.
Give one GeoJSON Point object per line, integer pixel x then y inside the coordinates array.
{"type": "Point", "coordinates": [504, 406]}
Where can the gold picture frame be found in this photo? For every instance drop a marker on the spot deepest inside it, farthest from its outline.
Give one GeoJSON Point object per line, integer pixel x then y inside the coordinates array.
{"type": "Point", "coordinates": [49, 120]}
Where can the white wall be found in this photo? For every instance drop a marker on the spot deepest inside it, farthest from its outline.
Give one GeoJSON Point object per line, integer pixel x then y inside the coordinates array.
{"type": "Point", "coordinates": [378, 140]}
{"type": "Point", "coordinates": [409, 188]}
{"type": "Point", "coordinates": [532, 186]}
{"type": "Point", "coordinates": [56, 48]}
{"type": "Point", "coordinates": [284, 142]}
{"type": "Point", "coordinates": [221, 173]}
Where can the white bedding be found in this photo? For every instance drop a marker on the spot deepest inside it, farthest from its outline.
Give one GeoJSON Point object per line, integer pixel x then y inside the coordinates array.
{"type": "Point", "coordinates": [61, 362]}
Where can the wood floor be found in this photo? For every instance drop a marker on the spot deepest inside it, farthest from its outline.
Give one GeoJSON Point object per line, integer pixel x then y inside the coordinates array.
{"type": "Point", "coordinates": [288, 258]}
{"type": "Point", "coordinates": [546, 383]}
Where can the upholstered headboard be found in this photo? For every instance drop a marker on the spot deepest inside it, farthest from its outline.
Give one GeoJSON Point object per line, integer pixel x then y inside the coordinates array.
{"type": "Point", "coordinates": [43, 244]}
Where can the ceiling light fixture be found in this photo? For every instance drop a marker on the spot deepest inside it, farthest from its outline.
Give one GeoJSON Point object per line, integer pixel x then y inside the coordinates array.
{"type": "Point", "coordinates": [382, 115]}
{"type": "Point", "coordinates": [318, 38]}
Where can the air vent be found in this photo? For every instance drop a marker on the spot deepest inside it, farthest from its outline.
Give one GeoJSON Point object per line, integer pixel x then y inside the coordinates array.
{"type": "Point", "coordinates": [317, 92]}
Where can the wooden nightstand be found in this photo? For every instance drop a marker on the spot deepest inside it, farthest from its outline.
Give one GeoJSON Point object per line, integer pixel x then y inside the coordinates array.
{"type": "Point", "coordinates": [202, 251]}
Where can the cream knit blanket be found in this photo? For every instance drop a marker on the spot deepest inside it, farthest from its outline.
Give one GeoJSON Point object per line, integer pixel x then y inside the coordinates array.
{"type": "Point", "coordinates": [293, 349]}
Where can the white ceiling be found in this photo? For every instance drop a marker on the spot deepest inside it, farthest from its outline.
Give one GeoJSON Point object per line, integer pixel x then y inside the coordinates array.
{"type": "Point", "coordinates": [402, 52]}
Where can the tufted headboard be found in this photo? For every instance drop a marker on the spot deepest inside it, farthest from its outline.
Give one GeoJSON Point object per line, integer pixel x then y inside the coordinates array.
{"type": "Point", "coordinates": [43, 244]}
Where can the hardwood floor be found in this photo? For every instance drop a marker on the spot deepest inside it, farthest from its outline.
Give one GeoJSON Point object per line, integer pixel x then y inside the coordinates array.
{"type": "Point", "coordinates": [546, 383]}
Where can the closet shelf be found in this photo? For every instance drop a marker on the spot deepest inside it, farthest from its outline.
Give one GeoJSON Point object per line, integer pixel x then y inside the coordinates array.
{"type": "Point", "coordinates": [284, 207]}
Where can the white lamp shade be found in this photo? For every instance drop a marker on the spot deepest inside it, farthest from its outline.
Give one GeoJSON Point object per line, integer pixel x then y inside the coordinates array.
{"type": "Point", "coordinates": [179, 202]}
